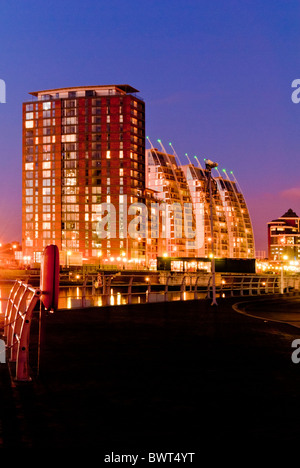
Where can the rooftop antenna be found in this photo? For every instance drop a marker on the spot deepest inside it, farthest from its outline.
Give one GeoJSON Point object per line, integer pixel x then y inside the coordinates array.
{"type": "Point", "coordinates": [175, 154]}
{"type": "Point", "coordinates": [188, 158]}
{"type": "Point", "coordinates": [198, 162]}
{"type": "Point", "coordinates": [150, 142]}
{"type": "Point", "coordinates": [218, 172]}
{"type": "Point", "coordinates": [162, 146]}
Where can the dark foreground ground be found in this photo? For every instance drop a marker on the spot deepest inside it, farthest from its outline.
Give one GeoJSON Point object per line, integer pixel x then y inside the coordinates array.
{"type": "Point", "coordinates": [157, 377]}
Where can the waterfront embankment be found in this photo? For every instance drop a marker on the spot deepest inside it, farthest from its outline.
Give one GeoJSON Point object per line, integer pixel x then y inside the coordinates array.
{"type": "Point", "coordinates": [159, 376]}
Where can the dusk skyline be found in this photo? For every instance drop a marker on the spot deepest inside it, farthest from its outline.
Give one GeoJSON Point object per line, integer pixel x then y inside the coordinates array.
{"type": "Point", "coordinates": [215, 77]}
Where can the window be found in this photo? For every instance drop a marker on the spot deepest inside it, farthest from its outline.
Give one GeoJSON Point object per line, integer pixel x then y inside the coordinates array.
{"type": "Point", "coordinates": [68, 138]}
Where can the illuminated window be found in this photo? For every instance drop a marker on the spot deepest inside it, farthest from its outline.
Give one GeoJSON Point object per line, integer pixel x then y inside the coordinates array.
{"type": "Point", "coordinates": [47, 165]}
{"type": "Point", "coordinates": [29, 124]}
{"type": "Point", "coordinates": [29, 166]}
{"type": "Point", "coordinates": [68, 138]}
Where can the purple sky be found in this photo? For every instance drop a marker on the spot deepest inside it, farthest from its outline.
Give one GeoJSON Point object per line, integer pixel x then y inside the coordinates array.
{"type": "Point", "coordinates": [215, 75]}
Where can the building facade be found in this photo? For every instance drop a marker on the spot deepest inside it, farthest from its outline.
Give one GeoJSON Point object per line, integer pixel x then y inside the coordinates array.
{"type": "Point", "coordinates": [174, 220]}
{"type": "Point", "coordinates": [91, 187]}
{"type": "Point", "coordinates": [83, 147]}
{"type": "Point", "coordinates": [188, 185]}
{"type": "Point", "coordinates": [284, 237]}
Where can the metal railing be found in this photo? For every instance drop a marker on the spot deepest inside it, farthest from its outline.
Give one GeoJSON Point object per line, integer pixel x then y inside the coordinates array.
{"type": "Point", "coordinates": [250, 285]}
{"type": "Point", "coordinates": [20, 306]}
{"type": "Point", "coordinates": [127, 289]}
{"type": "Point", "coordinates": [23, 299]}
{"type": "Point", "coordinates": [118, 289]}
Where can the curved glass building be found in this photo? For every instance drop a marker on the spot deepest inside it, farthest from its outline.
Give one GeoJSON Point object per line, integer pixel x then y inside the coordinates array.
{"type": "Point", "coordinates": [189, 185]}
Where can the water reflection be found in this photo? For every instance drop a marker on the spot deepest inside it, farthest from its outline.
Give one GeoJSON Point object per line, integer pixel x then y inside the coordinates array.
{"type": "Point", "coordinates": [77, 296]}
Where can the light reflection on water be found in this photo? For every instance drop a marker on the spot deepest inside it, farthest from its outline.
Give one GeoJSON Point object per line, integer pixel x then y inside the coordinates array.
{"type": "Point", "coordinates": [71, 297]}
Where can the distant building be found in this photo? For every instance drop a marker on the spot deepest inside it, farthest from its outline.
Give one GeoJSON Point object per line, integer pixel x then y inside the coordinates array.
{"type": "Point", "coordinates": [83, 147]}
{"type": "Point", "coordinates": [284, 237]}
{"type": "Point", "coordinates": [187, 185]}
{"type": "Point", "coordinates": [175, 219]}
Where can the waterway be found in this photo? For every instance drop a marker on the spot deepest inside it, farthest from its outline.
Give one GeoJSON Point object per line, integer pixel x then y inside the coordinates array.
{"type": "Point", "coordinates": [77, 296]}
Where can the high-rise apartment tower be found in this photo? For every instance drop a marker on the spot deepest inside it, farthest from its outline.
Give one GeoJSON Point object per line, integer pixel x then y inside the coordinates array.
{"type": "Point", "coordinates": [83, 147]}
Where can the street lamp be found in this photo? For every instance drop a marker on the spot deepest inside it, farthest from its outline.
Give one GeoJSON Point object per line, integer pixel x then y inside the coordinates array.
{"type": "Point", "coordinates": [209, 165]}
{"type": "Point", "coordinates": [284, 257]}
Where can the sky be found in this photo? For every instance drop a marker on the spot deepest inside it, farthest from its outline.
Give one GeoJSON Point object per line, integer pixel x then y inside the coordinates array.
{"type": "Point", "coordinates": [215, 76]}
